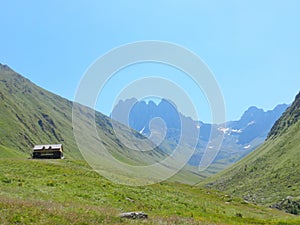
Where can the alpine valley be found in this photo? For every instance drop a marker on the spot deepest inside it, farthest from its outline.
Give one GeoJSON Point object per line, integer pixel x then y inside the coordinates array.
{"type": "Point", "coordinates": [70, 191]}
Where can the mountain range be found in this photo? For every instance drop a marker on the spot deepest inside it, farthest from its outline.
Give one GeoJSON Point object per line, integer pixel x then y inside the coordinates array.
{"type": "Point", "coordinates": [164, 120]}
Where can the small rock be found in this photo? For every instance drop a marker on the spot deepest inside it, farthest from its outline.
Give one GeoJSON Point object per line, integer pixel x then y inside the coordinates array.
{"type": "Point", "coordinates": [134, 215]}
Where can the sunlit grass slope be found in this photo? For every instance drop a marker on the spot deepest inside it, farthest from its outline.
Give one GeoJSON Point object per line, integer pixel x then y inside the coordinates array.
{"type": "Point", "coordinates": [69, 192]}
{"type": "Point", "coordinates": [272, 172]}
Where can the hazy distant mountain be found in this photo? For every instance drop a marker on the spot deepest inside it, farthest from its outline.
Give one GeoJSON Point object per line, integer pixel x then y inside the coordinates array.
{"type": "Point", "coordinates": [256, 123]}
{"type": "Point", "coordinates": [270, 174]}
{"type": "Point", "coordinates": [240, 137]}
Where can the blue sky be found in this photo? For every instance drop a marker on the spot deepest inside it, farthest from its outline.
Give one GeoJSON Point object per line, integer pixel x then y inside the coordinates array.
{"type": "Point", "coordinates": [252, 47]}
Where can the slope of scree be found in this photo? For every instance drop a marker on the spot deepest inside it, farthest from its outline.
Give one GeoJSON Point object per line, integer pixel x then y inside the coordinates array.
{"type": "Point", "coordinates": [270, 174]}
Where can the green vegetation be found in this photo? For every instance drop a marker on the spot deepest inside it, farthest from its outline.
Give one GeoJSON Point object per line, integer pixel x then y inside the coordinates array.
{"type": "Point", "coordinates": [270, 174]}
{"type": "Point", "coordinates": [70, 192]}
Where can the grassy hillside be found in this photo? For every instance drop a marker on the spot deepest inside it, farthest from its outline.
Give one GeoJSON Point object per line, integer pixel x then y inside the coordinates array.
{"type": "Point", "coordinates": [70, 192]}
{"type": "Point", "coordinates": [270, 174]}
{"type": "Point", "coordinates": [31, 115]}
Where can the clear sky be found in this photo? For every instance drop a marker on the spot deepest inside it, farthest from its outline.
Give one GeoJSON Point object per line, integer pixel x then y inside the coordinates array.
{"type": "Point", "coordinates": [252, 47]}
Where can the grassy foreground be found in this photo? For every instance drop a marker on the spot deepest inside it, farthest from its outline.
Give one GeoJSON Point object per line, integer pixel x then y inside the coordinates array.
{"type": "Point", "coordinates": [69, 192]}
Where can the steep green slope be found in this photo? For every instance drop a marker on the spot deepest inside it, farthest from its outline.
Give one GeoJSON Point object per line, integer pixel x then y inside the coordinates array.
{"type": "Point", "coordinates": [271, 174]}
{"type": "Point", "coordinates": [31, 115]}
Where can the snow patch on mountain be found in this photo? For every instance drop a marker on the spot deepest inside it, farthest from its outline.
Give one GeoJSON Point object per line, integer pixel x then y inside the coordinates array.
{"type": "Point", "coordinates": [251, 123]}
{"type": "Point", "coordinates": [238, 131]}
{"type": "Point", "coordinates": [228, 131]}
{"type": "Point", "coordinates": [247, 147]}
{"type": "Point", "coordinates": [223, 129]}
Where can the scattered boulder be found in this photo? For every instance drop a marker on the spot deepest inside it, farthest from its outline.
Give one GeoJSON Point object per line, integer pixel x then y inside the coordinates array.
{"type": "Point", "coordinates": [289, 205]}
{"type": "Point", "coordinates": [134, 215]}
